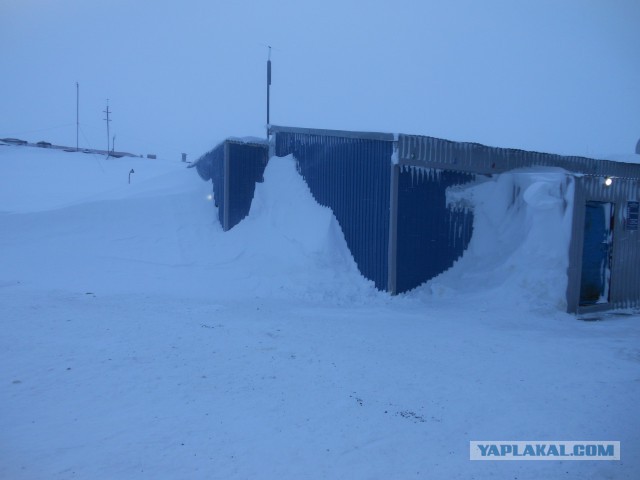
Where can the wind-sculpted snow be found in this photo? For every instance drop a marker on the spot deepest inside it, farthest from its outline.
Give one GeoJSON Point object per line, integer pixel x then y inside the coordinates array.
{"type": "Point", "coordinates": [519, 250]}
{"type": "Point", "coordinates": [89, 229]}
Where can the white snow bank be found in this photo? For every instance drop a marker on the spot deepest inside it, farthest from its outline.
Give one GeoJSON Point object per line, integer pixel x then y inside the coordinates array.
{"type": "Point", "coordinates": [283, 211]}
{"type": "Point", "coordinates": [36, 179]}
{"type": "Point", "coordinates": [76, 223]}
{"type": "Point", "coordinates": [520, 244]}
{"type": "Point", "coordinates": [292, 240]}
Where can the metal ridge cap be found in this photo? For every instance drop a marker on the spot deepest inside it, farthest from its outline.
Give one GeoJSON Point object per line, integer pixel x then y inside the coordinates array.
{"type": "Point", "coordinates": [387, 137]}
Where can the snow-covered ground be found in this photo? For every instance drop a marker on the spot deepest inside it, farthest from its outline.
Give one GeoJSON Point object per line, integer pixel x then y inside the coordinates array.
{"type": "Point", "coordinates": [140, 341]}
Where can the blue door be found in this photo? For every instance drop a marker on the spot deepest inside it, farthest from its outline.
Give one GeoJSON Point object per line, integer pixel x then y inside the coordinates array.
{"type": "Point", "coordinates": [596, 253]}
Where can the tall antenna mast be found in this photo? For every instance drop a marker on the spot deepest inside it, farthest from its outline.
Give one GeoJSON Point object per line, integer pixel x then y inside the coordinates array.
{"type": "Point", "coordinates": [77, 112]}
{"type": "Point", "coordinates": [268, 88]}
{"type": "Point", "coordinates": [108, 120]}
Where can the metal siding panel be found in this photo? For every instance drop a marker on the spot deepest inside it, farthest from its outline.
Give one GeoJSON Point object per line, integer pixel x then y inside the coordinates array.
{"type": "Point", "coordinates": [351, 176]}
{"type": "Point", "coordinates": [575, 247]}
{"type": "Point", "coordinates": [625, 272]}
{"type": "Point", "coordinates": [233, 167]}
{"type": "Point", "coordinates": [432, 152]}
{"type": "Point", "coordinates": [246, 164]}
{"type": "Point", "coordinates": [430, 236]}
{"type": "Point", "coordinates": [393, 229]}
{"type": "Point", "coordinates": [225, 169]}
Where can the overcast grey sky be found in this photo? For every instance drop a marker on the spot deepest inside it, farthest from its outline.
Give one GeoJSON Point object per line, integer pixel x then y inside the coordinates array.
{"type": "Point", "coordinates": [551, 75]}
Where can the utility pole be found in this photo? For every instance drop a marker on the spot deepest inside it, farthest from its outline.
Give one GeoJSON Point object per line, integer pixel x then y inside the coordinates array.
{"type": "Point", "coordinates": [268, 88]}
{"type": "Point", "coordinates": [107, 112]}
{"type": "Point", "coordinates": [77, 113]}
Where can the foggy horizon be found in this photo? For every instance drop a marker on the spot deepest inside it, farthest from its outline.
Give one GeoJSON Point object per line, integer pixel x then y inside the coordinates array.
{"type": "Point", "coordinates": [545, 76]}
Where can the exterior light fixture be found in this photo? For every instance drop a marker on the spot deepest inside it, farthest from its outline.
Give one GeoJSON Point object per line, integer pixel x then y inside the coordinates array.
{"type": "Point", "coordinates": [608, 181]}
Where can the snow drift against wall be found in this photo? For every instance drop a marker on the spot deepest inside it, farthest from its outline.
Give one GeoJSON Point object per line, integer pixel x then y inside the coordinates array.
{"type": "Point", "coordinates": [291, 242]}
{"type": "Point", "coordinates": [77, 223]}
{"type": "Point", "coordinates": [520, 244]}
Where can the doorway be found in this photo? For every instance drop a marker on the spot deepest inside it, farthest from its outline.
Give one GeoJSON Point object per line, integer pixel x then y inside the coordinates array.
{"type": "Point", "coordinates": [596, 253]}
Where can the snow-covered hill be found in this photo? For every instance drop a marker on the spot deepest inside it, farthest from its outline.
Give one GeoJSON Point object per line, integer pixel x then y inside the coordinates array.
{"type": "Point", "coordinates": [141, 341]}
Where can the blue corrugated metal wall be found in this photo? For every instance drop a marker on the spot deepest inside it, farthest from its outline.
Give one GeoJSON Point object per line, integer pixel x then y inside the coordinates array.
{"type": "Point", "coordinates": [246, 167]}
{"type": "Point", "coordinates": [210, 166]}
{"type": "Point", "coordinates": [246, 163]}
{"type": "Point", "coordinates": [430, 236]}
{"type": "Point", "coordinates": [204, 165]}
{"type": "Point", "coordinates": [351, 172]}
{"type": "Point", "coordinates": [351, 176]}
{"type": "Point", "coordinates": [217, 178]}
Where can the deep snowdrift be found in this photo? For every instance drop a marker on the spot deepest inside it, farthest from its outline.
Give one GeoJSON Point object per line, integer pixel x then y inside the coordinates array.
{"type": "Point", "coordinates": [88, 229]}
{"type": "Point", "coordinates": [290, 243]}
{"type": "Point", "coordinates": [518, 254]}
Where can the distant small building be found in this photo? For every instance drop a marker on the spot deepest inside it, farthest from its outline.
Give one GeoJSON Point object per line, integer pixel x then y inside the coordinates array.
{"type": "Point", "coordinates": [14, 141]}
